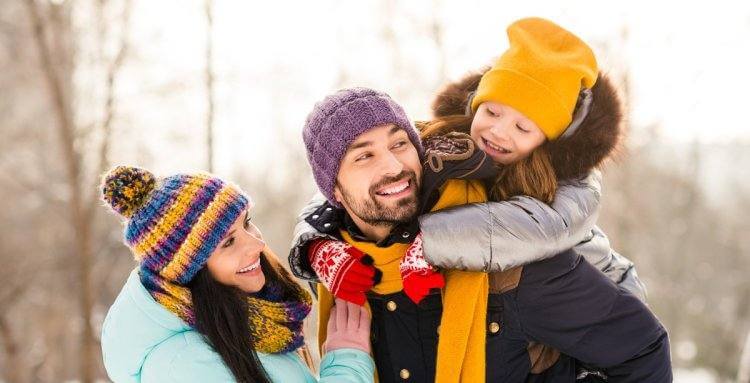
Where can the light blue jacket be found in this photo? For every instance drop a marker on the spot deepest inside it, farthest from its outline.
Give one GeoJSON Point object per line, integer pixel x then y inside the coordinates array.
{"type": "Point", "coordinates": [144, 342]}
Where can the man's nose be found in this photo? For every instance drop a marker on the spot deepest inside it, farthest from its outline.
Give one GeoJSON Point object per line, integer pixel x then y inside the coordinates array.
{"type": "Point", "coordinates": [392, 165]}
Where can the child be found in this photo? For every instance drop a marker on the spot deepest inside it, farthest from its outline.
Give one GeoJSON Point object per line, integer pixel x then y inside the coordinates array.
{"type": "Point", "coordinates": [546, 120]}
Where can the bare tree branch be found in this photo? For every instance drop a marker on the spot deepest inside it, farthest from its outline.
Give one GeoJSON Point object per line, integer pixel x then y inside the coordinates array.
{"type": "Point", "coordinates": [72, 159]}
{"type": "Point", "coordinates": [13, 363]}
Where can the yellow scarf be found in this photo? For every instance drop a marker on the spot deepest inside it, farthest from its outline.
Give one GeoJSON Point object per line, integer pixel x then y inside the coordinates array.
{"type": "Point", "coordinates": [461, 347]}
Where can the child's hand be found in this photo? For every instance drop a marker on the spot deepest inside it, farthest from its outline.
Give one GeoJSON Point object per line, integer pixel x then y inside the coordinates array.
{"type": "Point", "coordinates": [348, 327]}
{"type": "Point", "coordinates": [345, 271]}
{"type": "Point", "coordinates": [418, 276]}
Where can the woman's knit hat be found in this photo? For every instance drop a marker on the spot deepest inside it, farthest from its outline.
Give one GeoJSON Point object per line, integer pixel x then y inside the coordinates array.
{"type": "Point", "coordinates": [173, 226]}
{"type": "Point", "coordinates": [337, 120]}
{"type": "Point", "coordinates": [541, 74]}
{"type": "Point", "coordinates": [175, 223]}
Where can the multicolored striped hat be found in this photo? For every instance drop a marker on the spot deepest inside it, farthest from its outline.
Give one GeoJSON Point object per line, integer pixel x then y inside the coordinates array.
{"type": "Point", "coordinates": [172, 224]}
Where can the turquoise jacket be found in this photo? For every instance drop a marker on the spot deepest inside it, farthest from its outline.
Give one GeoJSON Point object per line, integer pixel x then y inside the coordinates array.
{"type": "Point", "coordinates": [144, 342]}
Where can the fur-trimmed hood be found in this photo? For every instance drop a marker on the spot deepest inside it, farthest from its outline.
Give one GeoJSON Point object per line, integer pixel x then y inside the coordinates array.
{"type": "Point", "coordinates": [573, 156]}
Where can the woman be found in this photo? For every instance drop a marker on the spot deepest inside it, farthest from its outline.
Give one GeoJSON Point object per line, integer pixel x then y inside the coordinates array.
{"type": "Point", "coordinates": [209, 302]}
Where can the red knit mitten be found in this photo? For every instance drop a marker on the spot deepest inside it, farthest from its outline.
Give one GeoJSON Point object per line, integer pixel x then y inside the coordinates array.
{"type": "Point", "coordinates": [418, 276]}
{"type": "Point", "coordinates": [344, 270]}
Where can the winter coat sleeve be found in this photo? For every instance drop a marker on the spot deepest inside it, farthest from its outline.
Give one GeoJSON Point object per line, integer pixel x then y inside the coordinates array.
{"type": "Point", "coordinates": [181, 359]}
{"type": "Point", "coordinates": [185, 358]}
{"type": "Point", "coordinates": [596, 249]}
{"type": "Point", "coordinates": [568, 304]}
{"type": "Point", "coordinates": [496, 236]}
{"type": "Point", "coordinates": [304, 233]}
{"type": "Point", "coordinates": [347, 365]}
{"type": "Point", "coordinates": [340, 366]}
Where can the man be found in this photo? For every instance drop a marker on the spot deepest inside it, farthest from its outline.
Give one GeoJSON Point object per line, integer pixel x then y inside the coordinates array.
{"type": "Point", "coordinates": [365, 156]}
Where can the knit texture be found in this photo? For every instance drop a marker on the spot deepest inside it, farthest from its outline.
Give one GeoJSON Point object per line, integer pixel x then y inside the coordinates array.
{"type": "Point", "coordinates": [540, 75]}
{"type": "Point", "coordinates": [276, 321]}
{"type": "Point", "coordinates": [172, 227]}
{"type": "Point", "coordinates": [337, 120]}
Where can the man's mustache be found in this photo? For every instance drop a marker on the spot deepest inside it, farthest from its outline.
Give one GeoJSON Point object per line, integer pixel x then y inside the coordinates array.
{"type": "Point", "coordinates": [410, 174]}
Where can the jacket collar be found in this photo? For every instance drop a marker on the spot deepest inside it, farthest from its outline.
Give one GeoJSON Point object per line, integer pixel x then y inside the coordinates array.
{"type": "Point", "coordinates": [150, 308]}
{"type": "Point", "coordinates": [329, 219]}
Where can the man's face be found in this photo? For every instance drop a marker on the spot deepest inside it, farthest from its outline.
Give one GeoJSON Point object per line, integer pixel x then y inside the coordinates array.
{"type": "Point", "coordinates": [379, 177]}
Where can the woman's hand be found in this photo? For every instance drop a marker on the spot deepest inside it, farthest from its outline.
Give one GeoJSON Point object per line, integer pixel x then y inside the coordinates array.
{"type": "Point", "coordinates": [348, 327]}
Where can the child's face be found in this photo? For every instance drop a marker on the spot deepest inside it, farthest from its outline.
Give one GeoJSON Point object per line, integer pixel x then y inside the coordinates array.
{"type": "Point", "coordinates": [505, 133]}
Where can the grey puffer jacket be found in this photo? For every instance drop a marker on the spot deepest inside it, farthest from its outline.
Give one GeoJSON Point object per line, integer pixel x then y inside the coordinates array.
{"type": "Point", "coordinates": [496, 236]}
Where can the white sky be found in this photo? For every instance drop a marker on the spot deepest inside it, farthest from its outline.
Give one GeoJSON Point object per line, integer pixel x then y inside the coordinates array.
{"type": "Point", "coordinates": [275, 59]}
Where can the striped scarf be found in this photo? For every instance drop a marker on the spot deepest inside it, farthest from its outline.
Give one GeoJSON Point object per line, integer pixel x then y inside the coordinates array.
{"type": "Point", "coordinates": [275, 320]}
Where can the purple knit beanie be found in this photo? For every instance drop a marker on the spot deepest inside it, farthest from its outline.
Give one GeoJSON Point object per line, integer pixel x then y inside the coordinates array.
{"type": "Point", "coordinates": [338, 120]}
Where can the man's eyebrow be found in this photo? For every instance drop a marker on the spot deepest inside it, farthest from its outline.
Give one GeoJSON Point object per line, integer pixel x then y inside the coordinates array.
{"type": "Point", "coordinates": [359, 145]}
{"type": "Point", "coordinates": [363, 144]}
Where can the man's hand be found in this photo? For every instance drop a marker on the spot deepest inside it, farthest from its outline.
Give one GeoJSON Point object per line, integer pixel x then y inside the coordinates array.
{"type": "Point", "coordinates": [344, 270]}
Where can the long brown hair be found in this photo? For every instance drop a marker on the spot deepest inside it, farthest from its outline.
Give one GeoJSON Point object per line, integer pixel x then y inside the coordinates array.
{"type": "Point", "coordinates": [532, 176]}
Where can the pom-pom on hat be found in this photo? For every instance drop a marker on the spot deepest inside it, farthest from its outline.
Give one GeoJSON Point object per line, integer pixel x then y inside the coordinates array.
{"type": "Point", "coordinates": [175, 223]}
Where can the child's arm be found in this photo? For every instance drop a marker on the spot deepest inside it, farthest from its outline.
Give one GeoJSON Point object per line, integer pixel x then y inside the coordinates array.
{"type": "Point", "coordinates": [496, 236]}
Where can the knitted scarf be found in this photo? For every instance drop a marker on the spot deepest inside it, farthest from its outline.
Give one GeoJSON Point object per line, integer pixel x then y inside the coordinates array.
{"type": "Point", "coordinates": [275, 321]}
{"type": "Point", "coordinates": [276, 324]}
{"type": "Point", "coordinates": [461, 346]}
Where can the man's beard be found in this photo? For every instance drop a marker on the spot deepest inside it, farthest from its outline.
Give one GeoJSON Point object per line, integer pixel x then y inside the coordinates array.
{"type": "Point", "coordinates": [375, 213]}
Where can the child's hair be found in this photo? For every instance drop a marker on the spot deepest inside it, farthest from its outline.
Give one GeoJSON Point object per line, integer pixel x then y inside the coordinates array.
{"type": "Point", "coordinates": [532, 176]}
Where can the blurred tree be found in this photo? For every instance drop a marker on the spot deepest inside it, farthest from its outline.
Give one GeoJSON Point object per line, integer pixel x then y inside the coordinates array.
{"type": "Point", "coordinates": [55, 42]}
{"type": "Point", "coordinates": [56, 130]}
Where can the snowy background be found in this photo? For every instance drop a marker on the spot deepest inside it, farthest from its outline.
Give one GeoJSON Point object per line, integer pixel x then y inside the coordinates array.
{"type": "Point", "coordinates": [90, 83]}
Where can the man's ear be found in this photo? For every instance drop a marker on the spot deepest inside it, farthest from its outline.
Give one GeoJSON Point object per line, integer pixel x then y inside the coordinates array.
{"type": "Point", "coordinates": [337, 193]}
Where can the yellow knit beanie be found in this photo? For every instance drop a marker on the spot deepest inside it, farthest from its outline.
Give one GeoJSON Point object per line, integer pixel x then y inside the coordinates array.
{"type": "Point", "coordinates": [540, 75]}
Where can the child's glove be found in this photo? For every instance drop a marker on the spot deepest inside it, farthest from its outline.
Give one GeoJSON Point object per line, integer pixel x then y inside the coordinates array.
{"type": "Point", "coordinates": [344, 270]}
{"type": "Point", "coordinates": [418, 276]}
